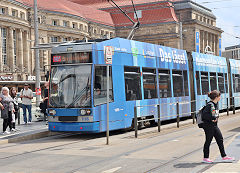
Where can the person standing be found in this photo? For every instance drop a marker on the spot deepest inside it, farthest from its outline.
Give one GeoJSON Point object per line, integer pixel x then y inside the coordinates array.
{"type": "Point", "coordinates": [27, 95]}
{"type": "Point", "coordinates": [45, 100]}
{"type": "Point", "coordinates": [13, 94]}
{"type": "Point", "coordinates": [7, 109]}
{"type": "Point", "coordinates": [210, 127]}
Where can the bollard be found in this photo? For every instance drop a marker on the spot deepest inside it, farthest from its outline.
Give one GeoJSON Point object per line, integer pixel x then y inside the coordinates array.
{"type": "Point", "coordinates": [233, 105]}
{"type": "Point", "coordinates": [18, 116]}
{"type": "Point", "coordinates": [227, 107]}
{"type": "Point", "coordinates": [193, 113]}
{"type": "Point", "coordinates": [193, 118]}
{"type": "Point", "coordinates": [159, 121]}
{"type": "Point", "coordinates": [178, 118]}
{"type": "Point", "coordinates": [135, 122]}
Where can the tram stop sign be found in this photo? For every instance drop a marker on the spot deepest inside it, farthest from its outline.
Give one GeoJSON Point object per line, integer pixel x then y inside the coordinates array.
{"type": "Point", "coordinates": [38, 91]}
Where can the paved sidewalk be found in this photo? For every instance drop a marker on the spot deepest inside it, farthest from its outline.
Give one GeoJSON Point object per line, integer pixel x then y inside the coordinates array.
{"type": "Point", "coordinates": [34, 130]}
{"type": "Point", "coordinates": [232, 150]}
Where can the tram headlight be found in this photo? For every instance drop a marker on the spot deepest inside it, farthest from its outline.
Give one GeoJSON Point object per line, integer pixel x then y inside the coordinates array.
{"type": "Point", "coordinates": [88, 111]}
{"type": "Point", "coordinates": [52, 112]}
{"type": "Point", "coordinates": [83, 112]}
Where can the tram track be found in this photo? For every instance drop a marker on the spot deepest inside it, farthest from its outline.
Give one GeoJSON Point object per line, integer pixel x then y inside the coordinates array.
{"type": "Point", "coordinates": [139, 149]}
{"type": "Point", "coordinates": [183, 156]}
{"type": "Point", "coordinates": [194, 131]}
{"type": "Point", "coordinates": [165, 138]}
{"type": "Point", "coordinates": [47, 148]}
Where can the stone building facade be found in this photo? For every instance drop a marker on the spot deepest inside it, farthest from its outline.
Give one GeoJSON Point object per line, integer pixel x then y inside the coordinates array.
{"type": "Point", "coordinates": [200, 33]}
{"type": "Point", "coordinates": [160, 23]}
{"type": "Point", "coordinates": [79, 19]}
{"type": "Point", "coordinates": [17, 37]}
{"type": "Point", "coordinates": [232, 52]}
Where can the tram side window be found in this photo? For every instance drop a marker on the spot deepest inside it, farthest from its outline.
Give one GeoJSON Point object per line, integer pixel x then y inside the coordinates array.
{"type": "Point", "coordinates": [237, 83]}
{"type": "Point", "coordinates": [234, 85]}
{"type": "Point", "coordinates": [226, 83]}
{"type": "Point", "coordinates": [198, 83]}
{"type": "Point", "coordinates": [132, 78]}
{"type": "Point", "coordinates": [213, 81]}
{"type": "Point", "coordinates": [205, 83]}
{"type": "Point", "coordinates": [221, 82]}
{"type": "Point", "coordinates": [164, 84]}
{"type": "Point", "coordinates": [177, 83]}
{"type": "Point", "coordinates": [149, 83]}
{"type": "Point", "coordinates": [100, 85]}
{"type": "Point", "coordinates": [185, 76]}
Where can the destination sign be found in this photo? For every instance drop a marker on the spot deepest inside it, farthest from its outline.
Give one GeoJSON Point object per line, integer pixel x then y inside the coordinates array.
{"type": "Point", "coordinates": [71, 58]}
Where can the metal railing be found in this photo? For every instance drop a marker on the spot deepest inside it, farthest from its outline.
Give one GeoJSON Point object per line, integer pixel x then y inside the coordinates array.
{"type": "Point", "coordinates": [177, 104]}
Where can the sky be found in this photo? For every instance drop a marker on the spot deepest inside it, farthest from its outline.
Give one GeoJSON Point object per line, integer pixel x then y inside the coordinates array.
{"type": "Point", "coordinates": [227, 13]}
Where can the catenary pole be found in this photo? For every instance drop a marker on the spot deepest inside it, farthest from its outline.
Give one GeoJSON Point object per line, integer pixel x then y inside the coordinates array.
{"type": "Point", "coordinates": [107, 132]}
{"type": "Point", "coordinates": [36, 51]}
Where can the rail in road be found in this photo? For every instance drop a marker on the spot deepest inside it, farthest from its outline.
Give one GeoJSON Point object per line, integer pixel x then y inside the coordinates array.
{"type": "Point", "coordinates": [133, 148]}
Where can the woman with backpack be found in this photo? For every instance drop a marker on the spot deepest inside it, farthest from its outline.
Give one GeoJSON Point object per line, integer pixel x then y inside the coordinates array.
{"type": "Point", "coordinates": [7, 109]}
{"type": "Point", "coordinates": [13, 94]}
{"type": "Point", "coordinates": [210, 127]}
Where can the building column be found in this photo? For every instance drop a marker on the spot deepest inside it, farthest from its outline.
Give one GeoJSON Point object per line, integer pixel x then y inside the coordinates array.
{"type": "Point", "coordinates": [32, 59]}
{"type": "Point", "coordinates": [26, 51]}
{"type": "Point", "coordinates": [201, 41]}
{"type": "Point", "coordinates": [214, 44]}
{"type": "Point", "coordinates": [20, 49]}
{"type": "Point", "coordinates": [209, 41]}
{"type": "Point", "coordinates": [205, 41]}
{"type": "Point", "coordinates": [217, 45]}
{"type": "Point", "coordinates": [10, 61]}
{"type": "Point", "coordinates": [1, 60]}
{"type": "Point", "coordinates": [45, 54]}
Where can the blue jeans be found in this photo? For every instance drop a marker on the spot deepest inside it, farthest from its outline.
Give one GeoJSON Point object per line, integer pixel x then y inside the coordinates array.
{"type": "Point", "coordinates": [29, 108]}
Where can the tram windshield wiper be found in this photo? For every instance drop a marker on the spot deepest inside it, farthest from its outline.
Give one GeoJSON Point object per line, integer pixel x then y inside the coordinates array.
{"type": "Point", "coordinates": [80, 95]}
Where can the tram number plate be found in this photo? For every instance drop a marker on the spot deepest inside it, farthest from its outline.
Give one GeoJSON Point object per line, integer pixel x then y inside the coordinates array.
{"type": "Point", "coordinates": [86, 118]}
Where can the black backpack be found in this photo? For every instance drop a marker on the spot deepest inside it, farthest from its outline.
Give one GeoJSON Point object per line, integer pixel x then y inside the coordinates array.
{"type": "Point", "coordinates": [199, 115]}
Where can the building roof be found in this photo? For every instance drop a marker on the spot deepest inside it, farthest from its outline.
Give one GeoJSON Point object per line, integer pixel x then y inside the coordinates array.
{"type": "Point", "coordinates": [105, 4]}
{"type": "Point", "coordinates": [101, 11]}
{"type": "Point", "coordinates": [232, 47]}
{"type": "Point", "coordinates": [150, 14]}
{"type": "Point", "coordinates": [68, 7]}
{"type": "Point", "coordinates": [188, 4]}
{"type": "Point", "coordinates": [153, 11]}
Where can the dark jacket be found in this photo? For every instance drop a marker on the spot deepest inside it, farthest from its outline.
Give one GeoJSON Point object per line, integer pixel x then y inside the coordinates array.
{"type": "Point", "coordinates": [210, 113]}
{"type": "Point", "coordinates": [7, 104]}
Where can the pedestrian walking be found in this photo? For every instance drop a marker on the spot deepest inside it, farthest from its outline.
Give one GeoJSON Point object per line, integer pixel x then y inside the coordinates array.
{"type": "Point", "coordinates": [27, 95]}
{"type": "Point", "coordinates": [45, 100]}
{"type": "Point", "coordinates": [7, 109]}
{"type": "Point", "coordinates": [13, 94]}
{"type": "Point", "coordinates": [210, 127]}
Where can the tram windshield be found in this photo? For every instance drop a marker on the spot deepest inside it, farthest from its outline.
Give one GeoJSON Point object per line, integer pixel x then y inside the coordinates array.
{"type": "Point", "coordinates": [70, 86]}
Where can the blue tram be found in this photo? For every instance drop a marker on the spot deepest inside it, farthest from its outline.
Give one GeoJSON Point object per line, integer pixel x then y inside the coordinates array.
{"type": "Point", "coordinates": [210, 73]}
{"type": "Point", "coordinates": [235, 81]}
{"type": "Point", "coordinates": [141, 74]}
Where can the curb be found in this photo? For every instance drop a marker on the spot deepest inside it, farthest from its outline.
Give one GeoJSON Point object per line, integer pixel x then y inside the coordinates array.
{"type": "Point", "coordinates": [27, 137]}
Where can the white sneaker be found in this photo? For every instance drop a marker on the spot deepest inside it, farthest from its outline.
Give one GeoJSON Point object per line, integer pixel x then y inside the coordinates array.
{"type": "Point", "coordinates": [13, 130]}
{"type": "Point", "coordinates": [29, 122]}
{"type": "Point", "coordinates": [17, 129]}
{"type": "Point", "coordinates": [6, 133]}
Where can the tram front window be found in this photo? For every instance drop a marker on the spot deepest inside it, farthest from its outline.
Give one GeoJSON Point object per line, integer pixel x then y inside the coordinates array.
{"type": "Point", "coordinates": [70, 86]}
